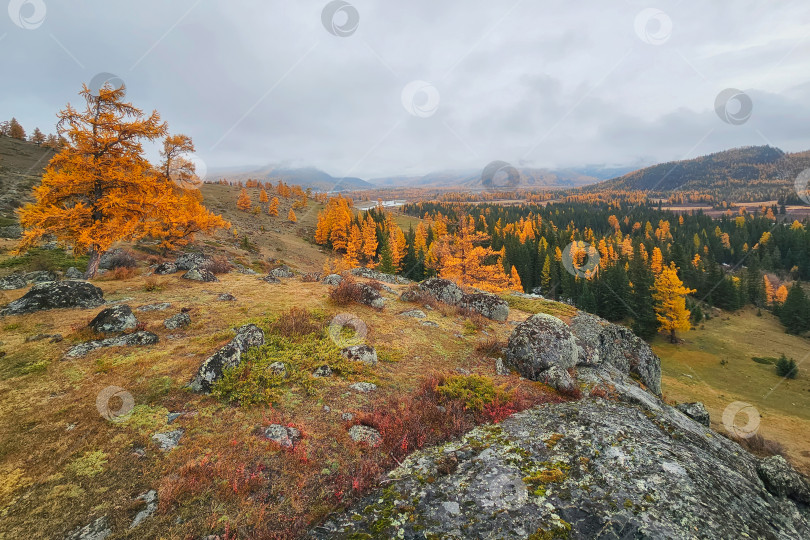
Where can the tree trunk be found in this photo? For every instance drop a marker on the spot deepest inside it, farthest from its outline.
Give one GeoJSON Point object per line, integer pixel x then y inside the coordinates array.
{"type": "Point", "coordinates": [92, 264]}
{"type": "Point", "coordinates": [672, 336]}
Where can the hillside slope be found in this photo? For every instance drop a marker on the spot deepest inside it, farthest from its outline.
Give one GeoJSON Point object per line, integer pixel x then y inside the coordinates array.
{"type": "Point", "coordinates": [21, 166]}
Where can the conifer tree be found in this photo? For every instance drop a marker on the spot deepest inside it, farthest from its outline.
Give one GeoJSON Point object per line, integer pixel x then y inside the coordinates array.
{"type": "Point", "coordinates": [263, 196]}
{"type": "Point", "coordinates": [272, 209]}
{"type": "Point", "coordinates": [291, 216]}
{"type": "Point", "coordinates": [795, 312]}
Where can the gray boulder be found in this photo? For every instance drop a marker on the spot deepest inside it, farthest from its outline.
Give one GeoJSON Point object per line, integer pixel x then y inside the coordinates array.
{"type": "Point", "coordinates": [442, 290]}
{"type": "Point", "coordinates": [13, 281]}
{"type": "Point", "coordinates": [370, 273]}
{"type": "Point", "coordinates": [365, 435]}
{"type": "Point", "coordinates": [96, 530]}
{"type": "Point", "coordinates": [114, 319]}
{"type": "Point", "coordinates": [696, 411]}
{"type": "Point", "coordinates": [168, 440]}
{"type": "Point", "coordinates": [151, 500]}
{"type": "Point", "coordinates": [371, 296]}
{"type": "Point", "coordinates": [618, 346]}
{"type": "Point", "coordinates": [112, 258]}
{"type": "Point", "coordinates": [282, 271]}
{"type": "Point", "coordinates": [582, 469]}
{"type": "Point", "coordinates": [278, 368]}
{"type": "Point", "coordinates": [226, 297]}
{"type": "Point", "coordinates": [56, 294]}
{"type": "Point", "coordinates": [189, 261]}
{"type": "Point", "coordinates": [74, 273]}
{"type": "Point", "coordinates": [166, 268]}
{"type": "Point", "coordinates": [126, 340]}
{"type": "Point", "coordinates": [363, 387]}
{"type": "Point", "coordinates": [537, 344]}
{"type": "Point", "coordinates": [360, 353]}
{"type": "Point", "coordinates": [487, 305]}
{"type": "Point", "coordinates": [270, 279]}
{"type": "Point", "coordinates": [414, 313]}
{"type": "Point", "coordinates": [332, 279]}
{"type": "Point", "coordinates": [11, 231]}
{"type": "Point", "coordinates": [41, 276]}
{"type": "Point", "coordinates": [200, 274]}
{"type": "Point", "coordinates": [284, 436]}
{"type": "Point", "coordinates": [230, 355]}
{"type": "Point", "coordinates": [181, 320]}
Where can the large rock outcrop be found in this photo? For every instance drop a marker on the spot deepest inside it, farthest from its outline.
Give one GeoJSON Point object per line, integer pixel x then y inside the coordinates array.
{"type": "Point", "coordinates": [370, 273]}
{"type": "Point", "coordinates": [544, 348]}
{"type": "Point", "coordinates": [443, 290]}
{"type": "Point", "coordinates": [617, 463]}
{"type": "Point", "coordinates": [487, 305]}
{"type": "Point", "coordinates": [586, 469]}
{"type": "Point", "coordinates": [134, 339]}
{"type": "Point", "coordinates": [56, 294]}
{"type": "Point", "coordinates": [228, 356]}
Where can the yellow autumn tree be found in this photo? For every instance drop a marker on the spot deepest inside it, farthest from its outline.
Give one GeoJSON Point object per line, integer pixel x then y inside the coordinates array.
{"type": "Point", "coordinates": [263, 196]}
{"type": "Point", "coordinates": [273, 208]}
{"type": "Point", "coordinates": [243, 202]}
{"type": "Point", "coordinates": [354, 247]}
{"type": "Point", "coordinates": [770, 293]}
{"type": "Point", "coordinates": [781, 294]}
{"type": "Point", "coordinates": [369, 234]}
{"type": "Point", "coordinates": [291, 216]}
{"type": "Point", "coordinates": [657, 261]}
{"type": "Point", "coordinates": [99, 188]}
{"type": "Point", "coordinates": [670, 298]}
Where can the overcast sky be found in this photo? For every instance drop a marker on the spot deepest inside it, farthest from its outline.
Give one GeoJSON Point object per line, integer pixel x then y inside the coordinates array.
{"type": "Point", "coordinates": [534, 83]}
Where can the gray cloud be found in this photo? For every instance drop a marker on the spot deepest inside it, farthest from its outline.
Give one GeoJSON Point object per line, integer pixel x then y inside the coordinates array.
{"type": "Point", "coordinates": [549, 83]}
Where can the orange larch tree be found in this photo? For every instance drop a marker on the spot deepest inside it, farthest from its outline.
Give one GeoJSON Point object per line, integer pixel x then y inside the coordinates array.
{"type": "Point", "coordinates": [273, 208]}
{"type": "Point", "coordinates": [243, 202]}
{"type": "Point", "coordinates": [291, 216]}
{"type": "Point", "coordinates": [369, 234]}
{"type": "Point", "coordinates": [263, 196]}
{"type": "Point", "coordinates": [100, 188]}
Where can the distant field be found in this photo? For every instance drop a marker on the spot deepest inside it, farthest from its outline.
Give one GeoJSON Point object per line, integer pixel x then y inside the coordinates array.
{"type": "Point", "coordinates": [692, 372]}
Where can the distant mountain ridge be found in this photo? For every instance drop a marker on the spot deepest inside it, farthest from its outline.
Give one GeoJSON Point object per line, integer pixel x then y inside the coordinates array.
{"type": "Point", "coordinates": [306, 177]}
{"type": "Point", "coordinates": [750, 169]}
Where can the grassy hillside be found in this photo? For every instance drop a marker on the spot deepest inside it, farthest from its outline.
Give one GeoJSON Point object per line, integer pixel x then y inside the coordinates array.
{"type": "Point", "coordinates": [21, 166]}
{"type": "Point", "coordinates": [692, 371]}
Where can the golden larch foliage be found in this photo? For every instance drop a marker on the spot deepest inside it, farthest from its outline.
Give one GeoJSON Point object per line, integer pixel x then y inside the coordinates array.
{"type": "Point", "coordinates": [670, 297]}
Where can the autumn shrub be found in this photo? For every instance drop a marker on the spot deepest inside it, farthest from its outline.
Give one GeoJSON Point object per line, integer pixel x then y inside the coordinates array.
{"type": "Point", "coordinates": [295, 322]}
{"type": "Point", "coordinates": [760, 446]}
{"type": "Point", "coordinates": [346, 292]}
{"type": "Point", "coordinates": [218, 265]}
{"type": "Point", "coordinates": [474, 391]}
{"type": "Point", "coordinates": [123, 272]}
{"type": "Point", "coordinates": [254, 381]}
{"type": "Point", "coordinates": [489, 347]}
{"type": "Point", "coordinates": [152, 284]}
{"type": "Point", "coordinates": [311, 277]}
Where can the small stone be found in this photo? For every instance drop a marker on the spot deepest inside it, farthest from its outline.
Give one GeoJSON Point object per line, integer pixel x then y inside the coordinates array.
{"type": "Point", "coordinates": [150, 498]}
{"type": "Point", "coordinates": [169, 440]}
{"type": "Point", "coordinates": [414, 313]}
{"type": "Point", "coordinates": [154, 307]}
{"type": "Point", "coordinates": [172, 416]}
{"type": "Point", "coordinates": [696, 411]}
{"type": "Point", "coordinates": [270, 279]}
{"type": "Point", "coordinates": [360, 353]}
{"type": "Point", "coordinates": [327, 409]}
{"type": "Point", "coordinates": [363, 387]}
{"type": "Point", "coordinates": [200, 274]}
{"type": "Point", "coordinates": [284, 436]}
{"type": "Point", "coordinates": [226, 297]}
{"type": "Point", "coordinates": [366, 435]}
{"type": "Point", "coordinates": [347, 416]}
{"type": "Point", "coordinates": [96, 530]}
{"type": "Point", "coordinates": [430, 324]}
{"type": "Point", "coordinates": [322, 371]}
{"type": "Point", "coordinates": [278, 368]}
{"type": "Point", "coordinates": [181, 320]}
{"type": "Point", "coordinates": [500, 368]}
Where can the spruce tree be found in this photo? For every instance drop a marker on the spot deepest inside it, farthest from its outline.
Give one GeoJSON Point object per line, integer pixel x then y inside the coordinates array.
{"type": "Point", "coordinates": [795, 313]}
